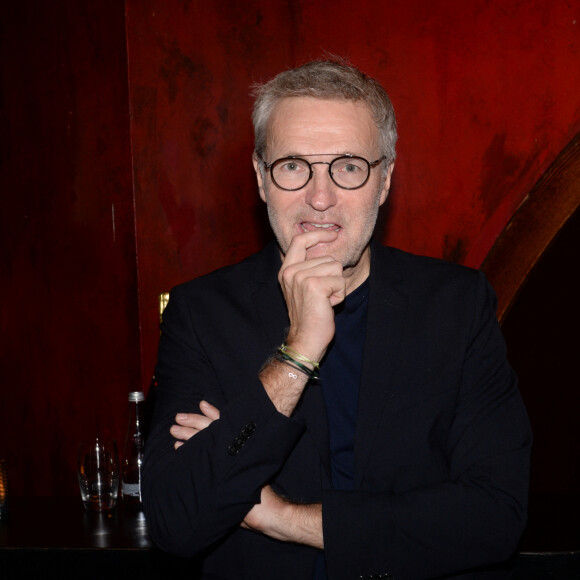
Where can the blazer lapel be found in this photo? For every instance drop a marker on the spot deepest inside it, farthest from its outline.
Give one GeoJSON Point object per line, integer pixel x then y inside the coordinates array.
{"type": "Point", "coordinates": [387, 312]}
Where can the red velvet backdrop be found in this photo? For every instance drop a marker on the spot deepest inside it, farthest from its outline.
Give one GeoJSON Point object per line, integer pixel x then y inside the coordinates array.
{"type": "Point", "coordinates": [486, 96]}
{"type": "Point", "coordinates": [69, 311]}
{"type": "Point", "coordinates": [97, 221]}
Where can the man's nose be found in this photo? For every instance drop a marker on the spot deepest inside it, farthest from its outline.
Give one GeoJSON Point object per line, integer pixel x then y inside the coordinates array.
{"type": "Point", "coordinates": [321, 191]}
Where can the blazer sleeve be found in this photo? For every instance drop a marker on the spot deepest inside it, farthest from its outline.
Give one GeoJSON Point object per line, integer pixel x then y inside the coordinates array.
{"type": "Point", "coordinates": [197, 494]}
{"type": "Point", "coordinates": [473, 518]}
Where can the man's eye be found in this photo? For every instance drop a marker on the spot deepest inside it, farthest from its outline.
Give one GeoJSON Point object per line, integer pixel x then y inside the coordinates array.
{"type": "Point", "coordinates": [349, 168]}
{"type": "Point", "coordinates": [291, 167]}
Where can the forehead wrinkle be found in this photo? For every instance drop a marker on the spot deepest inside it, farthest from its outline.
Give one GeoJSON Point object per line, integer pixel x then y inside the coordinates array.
{"type": "Point", "coordinates": [306, 126]}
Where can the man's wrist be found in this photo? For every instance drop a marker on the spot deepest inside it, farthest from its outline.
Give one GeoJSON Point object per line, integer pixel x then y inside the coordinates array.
{"type": "Point", "coordinates": [300, 523]}
{"type": "Point", "coordinates": [299, 362]}
{"type": "Point", "coordinates": [283, 384]}
{"type": "Point", "coordinates": [287, 521]}
{"type": "Point", "coordinates": [312, 352]}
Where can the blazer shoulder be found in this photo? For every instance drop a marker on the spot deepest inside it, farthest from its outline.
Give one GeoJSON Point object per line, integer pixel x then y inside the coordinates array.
{"type": "Point", "coordinates": [408, 265]}
{"type": "Point", "coordinates": [239, 277]}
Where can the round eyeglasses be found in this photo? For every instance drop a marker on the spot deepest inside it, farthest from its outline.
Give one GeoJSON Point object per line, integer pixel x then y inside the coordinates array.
{"type": "Point", "coordinates": [346, 171]}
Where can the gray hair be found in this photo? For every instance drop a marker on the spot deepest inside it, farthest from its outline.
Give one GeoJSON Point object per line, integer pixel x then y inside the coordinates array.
{"type": "Point", "coordinates": [326, 79]}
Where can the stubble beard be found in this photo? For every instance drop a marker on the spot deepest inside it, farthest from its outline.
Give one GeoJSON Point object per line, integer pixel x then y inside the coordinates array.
{"type": "Point", "coordinates": [353, 253]}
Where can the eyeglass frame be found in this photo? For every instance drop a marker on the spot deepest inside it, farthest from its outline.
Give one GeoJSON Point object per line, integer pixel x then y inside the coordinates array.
{"type": "Point", "coordinates": [371, 164]}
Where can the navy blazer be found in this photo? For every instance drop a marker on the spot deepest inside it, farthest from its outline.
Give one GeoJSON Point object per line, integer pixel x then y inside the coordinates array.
{"type": "Point", "coordinates": [442, 439]}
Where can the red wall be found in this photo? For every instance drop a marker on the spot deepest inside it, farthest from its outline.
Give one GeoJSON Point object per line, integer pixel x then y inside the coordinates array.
{"type": "Point", "coordinates": [146, 107]}
{"type": "Point", "coordinates": [486, 95]}
{"type": "Point", "coordinates": [69, 343]}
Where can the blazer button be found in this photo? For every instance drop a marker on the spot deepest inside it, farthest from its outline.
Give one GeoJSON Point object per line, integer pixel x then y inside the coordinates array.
{"type": "Point", "coordinates": [241, 439]}
{"type": "Point", "coordinates": [248, 430]}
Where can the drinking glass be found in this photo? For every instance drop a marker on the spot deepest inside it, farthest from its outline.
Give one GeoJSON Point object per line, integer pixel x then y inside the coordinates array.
{"type": "Point", "coordinates": [98, 471]}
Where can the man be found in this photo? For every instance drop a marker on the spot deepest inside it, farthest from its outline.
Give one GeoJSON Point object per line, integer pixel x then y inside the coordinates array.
{"type": "Point", "coordinates": [329, 408]}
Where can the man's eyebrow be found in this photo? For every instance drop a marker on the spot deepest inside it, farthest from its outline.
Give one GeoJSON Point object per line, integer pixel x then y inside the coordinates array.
{"type": "Point", "coordinates": [335, 154]}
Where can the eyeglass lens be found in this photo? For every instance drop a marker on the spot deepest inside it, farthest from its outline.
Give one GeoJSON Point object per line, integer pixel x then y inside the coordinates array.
{"type": "Point", "coordinates": [346, 172]}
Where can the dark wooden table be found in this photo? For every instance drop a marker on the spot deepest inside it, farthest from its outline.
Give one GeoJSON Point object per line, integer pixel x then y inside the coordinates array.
{"type": "Point", "coordinates": [43, 522]}
{"type": "Point", "coordinates": [56, 537]}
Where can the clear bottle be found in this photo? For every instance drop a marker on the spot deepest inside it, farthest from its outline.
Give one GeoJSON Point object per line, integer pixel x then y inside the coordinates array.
{"type": "Point", "coordinates": [133, 452]}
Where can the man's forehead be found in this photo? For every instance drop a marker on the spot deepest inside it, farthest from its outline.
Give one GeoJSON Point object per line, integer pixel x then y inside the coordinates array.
{"type": "Point", "coordinates": [306, 104]}
{"type": "Point", "coordinates": [304, 121]}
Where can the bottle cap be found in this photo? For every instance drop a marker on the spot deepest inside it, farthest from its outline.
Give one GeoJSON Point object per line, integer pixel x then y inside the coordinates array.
{"type": "Point", "coordinates": [136, 396]}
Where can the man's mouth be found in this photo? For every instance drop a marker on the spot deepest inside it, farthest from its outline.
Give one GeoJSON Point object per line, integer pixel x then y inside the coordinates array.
{"type": "Point", "coordinates": [310, 226]}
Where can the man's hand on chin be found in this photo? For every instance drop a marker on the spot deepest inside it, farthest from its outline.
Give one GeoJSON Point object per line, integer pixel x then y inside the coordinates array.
{"type": "Point", "coordinates": [311, 287]}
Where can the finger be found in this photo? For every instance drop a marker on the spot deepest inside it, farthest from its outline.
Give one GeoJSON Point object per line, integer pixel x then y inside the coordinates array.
{"type": "Point", "coordinates": [192, 420]}
{"type": "Point", "coordinates": [338, 290]}
{"type": "Point", "coordinates": [300, 243]}
{"type": "Point", "coordinates": [177, 444]}
{"type": "Point", "coordinates": [289, 270]}
{"type": "Point", "coordinates": [319, 267]}
{"type": "Point", "coordinates": [182, 433]}
{"type": "Point", "coordinates": [324, 279]}
{"type": "Point", "coordinates": [186, 419]}
{"type": "Point", "coordinates": [209, 410]}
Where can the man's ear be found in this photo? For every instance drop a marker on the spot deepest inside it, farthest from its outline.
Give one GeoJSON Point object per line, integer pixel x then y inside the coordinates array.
{"type": "Point", "coordinates": [386, 184]}
{"type": "Point", "coordinates": [259, 176]}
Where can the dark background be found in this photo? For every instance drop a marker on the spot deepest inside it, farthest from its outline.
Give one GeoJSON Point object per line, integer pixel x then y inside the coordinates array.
{"type": "Point", "coordinates": [125, 169]}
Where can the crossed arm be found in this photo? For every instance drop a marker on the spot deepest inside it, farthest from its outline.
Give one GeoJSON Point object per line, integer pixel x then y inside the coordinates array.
{"type": "Point", "coordinates": [311, 288]}
{"type": "Point", "coordinates": [472, 517]}
{"type": "Point", "coordinates": [273, 516]}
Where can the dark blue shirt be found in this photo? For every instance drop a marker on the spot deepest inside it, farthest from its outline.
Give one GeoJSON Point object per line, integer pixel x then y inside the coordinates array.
{"type": "Point", "coordinates": [340, 374]}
